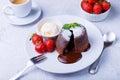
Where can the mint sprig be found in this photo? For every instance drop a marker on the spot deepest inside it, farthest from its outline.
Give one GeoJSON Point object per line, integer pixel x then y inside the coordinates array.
{"type": "Point", "coordinates": [71, 25]}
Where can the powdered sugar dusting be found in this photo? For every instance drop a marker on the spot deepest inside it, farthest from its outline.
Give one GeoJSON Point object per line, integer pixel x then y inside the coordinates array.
{"type": "Point", "coordinates": [66, 34]}
{"type": "Point", "coordinates": [77, 31]}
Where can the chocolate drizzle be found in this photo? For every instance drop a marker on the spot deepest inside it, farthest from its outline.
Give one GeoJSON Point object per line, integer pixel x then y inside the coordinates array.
{"type": "Point", "coordinates": [69, 57]}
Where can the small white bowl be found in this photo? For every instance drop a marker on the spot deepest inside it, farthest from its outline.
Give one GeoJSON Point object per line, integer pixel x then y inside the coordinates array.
{"type": "Point", "coordinates": [51, 20]}
{"type": "Point", "coordinates": [94, 17]}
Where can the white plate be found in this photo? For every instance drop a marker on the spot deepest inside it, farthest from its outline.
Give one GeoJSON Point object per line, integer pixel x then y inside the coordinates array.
{"type": "Point", "coordinates": [51, 64]}
{"type": "Point", "coordinates": [34, 14]}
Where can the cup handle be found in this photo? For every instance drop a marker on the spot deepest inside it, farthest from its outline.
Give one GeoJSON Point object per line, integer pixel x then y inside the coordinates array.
{"type": "Point", "coordinates": [8, 10]}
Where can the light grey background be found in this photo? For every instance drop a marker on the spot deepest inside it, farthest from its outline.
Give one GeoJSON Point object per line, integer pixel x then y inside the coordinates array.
{"type": "Point", "coordinates": [13, 55]}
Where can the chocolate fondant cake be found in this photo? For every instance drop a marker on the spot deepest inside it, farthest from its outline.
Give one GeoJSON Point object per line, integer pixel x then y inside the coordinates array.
{"type": "Point", "coordinates": [72, 42]}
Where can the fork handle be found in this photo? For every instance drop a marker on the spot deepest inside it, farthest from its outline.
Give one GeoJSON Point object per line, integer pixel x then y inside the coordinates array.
{"type": "Point", "coordinates": [20, 73]}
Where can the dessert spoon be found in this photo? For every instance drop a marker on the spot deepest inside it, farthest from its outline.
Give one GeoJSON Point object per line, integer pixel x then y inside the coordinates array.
{"type": "Point", "coordinates": [108, 39]}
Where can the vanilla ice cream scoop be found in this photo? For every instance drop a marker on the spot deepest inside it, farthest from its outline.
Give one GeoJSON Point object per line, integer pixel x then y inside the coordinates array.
{"type": "Point", "coordinates": [49, 29]}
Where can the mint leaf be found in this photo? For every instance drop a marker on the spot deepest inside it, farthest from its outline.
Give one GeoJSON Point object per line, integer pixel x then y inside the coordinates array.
{"type": "Point", "coordinates": [71, 25]}
{"type": "Point", "coordinates": [66, 26]}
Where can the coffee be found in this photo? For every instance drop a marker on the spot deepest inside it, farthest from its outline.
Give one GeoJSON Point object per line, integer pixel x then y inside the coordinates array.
{"type": "Point", "coordinates": [18, 1]}
{"type": "Point", "coordinates": [18, 8]}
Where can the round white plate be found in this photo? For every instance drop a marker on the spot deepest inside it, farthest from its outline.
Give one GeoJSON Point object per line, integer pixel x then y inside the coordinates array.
{"type": "Point", "coordinates": [51, 64]}
{"type": "Point", "coordinates": [34, 14]}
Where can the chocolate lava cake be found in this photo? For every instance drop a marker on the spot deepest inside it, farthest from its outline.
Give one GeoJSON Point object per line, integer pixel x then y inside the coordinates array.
{"type": "Point", "coordinates": [71, 42]}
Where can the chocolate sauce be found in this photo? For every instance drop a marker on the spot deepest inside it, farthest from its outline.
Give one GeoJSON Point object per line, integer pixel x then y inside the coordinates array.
{"type": "Point", "coordinates": [87, 48]}
{"type": "Point", "coordinates": [70, 57]}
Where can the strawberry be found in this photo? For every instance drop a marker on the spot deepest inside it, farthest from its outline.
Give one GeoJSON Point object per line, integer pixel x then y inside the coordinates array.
{"type": "Point", "coordinates": [97, 8]}
{"type": "Point", "coordinates": [86, 6]}
{"type": "Point", "coordinates": [50, 45]}
{"type": "Point", "coordinates": [36, 38]}
{"type": "Point", "coordinates": [40, 48]}
{"type": "Point", "coordinates": [105, 5]}
{"type": "Point", "coordinates": [92, 1]}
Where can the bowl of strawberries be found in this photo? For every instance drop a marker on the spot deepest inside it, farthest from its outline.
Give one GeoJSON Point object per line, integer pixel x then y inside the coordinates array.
{"type": "Point", "coordinates": [95, 10]}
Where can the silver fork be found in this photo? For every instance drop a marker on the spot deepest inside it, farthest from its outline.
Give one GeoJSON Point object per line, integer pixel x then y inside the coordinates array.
{"type": "Point", "coordinates": [30, 63]}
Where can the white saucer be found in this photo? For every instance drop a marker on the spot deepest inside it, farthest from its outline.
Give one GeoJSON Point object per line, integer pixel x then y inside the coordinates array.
{"type": "Point", "coordinates": [34, 14]}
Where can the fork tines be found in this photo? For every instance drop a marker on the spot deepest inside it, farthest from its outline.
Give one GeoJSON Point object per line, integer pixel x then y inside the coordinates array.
{"type": "Point", "coordinates": [38, 58]}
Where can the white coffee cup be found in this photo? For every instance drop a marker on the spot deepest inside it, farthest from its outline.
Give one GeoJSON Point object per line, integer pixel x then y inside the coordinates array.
{"type": "Point", "coordinates": [18, 8]}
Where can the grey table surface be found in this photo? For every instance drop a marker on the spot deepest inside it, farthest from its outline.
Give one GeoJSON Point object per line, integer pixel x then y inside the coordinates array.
{"type": "Point", "coordinates": [13, 55]}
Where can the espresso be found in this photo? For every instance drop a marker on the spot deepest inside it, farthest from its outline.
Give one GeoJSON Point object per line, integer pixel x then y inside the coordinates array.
{"type": "Point", "coordinates": [18, 1]}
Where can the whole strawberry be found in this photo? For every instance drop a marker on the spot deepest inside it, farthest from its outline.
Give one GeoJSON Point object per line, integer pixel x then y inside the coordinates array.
{"type": "Point", "coordinates": [105, 5]}
{"type": "Point", "coordinates": [40, 48]}
{"type": "Point", "coordinates": [50, 45]}
{"type": "Point", "coordinates": [36, 38]}
{"type": "Point", "coordinates": [86, 6]}
{"type": "Point", "coordinates": [97, 8]}
{"type": "Point", "coordinates": [92, 1]}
